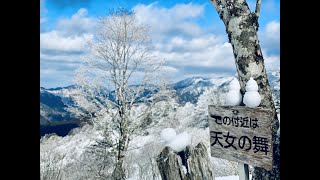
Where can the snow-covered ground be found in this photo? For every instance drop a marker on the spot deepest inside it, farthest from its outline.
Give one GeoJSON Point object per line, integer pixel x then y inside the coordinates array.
{"type": "Point", "coordinates": [67, 152]}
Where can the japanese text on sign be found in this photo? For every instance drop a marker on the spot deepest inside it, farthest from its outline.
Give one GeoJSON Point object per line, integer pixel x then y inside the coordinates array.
{"type": "Point", "coordinates": [242, 134]}
{"type": "Point", "coordinates": [256, 144]}
{"type": "Point", "coordinates": [246, 122]}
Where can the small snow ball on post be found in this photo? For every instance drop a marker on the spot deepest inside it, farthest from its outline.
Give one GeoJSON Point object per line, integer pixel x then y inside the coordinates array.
{"type": "Point", "coordinates": [180, 142]}
{"type": "Point", "coordinates": [252, 98]}
{"type": "Point", "coordinates": [233, 97]}
{"type": "Point", "coordinates": [168, 134]}
{"type": "Point", "coordinates": [176, 142]}
{"type": "Point", "coordinates": [180, 161]}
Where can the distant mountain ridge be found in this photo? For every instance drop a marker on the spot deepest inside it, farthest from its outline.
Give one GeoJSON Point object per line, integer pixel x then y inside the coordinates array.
{"type": "Point", "coordinates": [53, 101]}
{"type": "Point", "coordinates": [52, 108]}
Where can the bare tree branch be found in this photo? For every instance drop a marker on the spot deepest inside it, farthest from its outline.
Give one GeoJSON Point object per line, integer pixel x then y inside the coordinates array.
{"type": "Point", "coordinates": [120, 58]}
{"type": "Point", "coordinates": [257, 11]}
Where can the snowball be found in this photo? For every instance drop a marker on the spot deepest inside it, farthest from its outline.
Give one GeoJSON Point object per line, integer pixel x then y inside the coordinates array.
{"type": "Point", "coordinates": [234, 84]}
{"type": "Point", "coordinates": [233, 98]}
{"type": "Point", "coordinates": [251, 99]}
{"type": "Point", "coordinates": [251, 85]}
{"type": "Point", "coordinates": [168, 134]}
{"type": "Point", "coordinates": [180, 142]}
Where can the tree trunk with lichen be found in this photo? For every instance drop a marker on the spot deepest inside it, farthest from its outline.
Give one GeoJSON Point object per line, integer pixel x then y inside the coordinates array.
{"type": "Point", "coordinates": [241, 26]}
{"type": "Point", "coordinates": [194, 159]}
{"type": "Point", "coordinates": [122, 147]}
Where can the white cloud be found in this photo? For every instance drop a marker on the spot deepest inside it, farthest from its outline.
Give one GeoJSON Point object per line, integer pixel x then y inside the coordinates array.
{"type": "Point", "coordinates": [51, 78]}
{"type": "Point", "coordinates": [272, 34]}
{"type": "Point", "coordinates": [181, 41]}
{"type": "Point", "coordinates": [270, 38]}
{"type": "Point", "coordinates": [183, 11]}
{"type": "Point", "coordinates": [70, 35]}
{"type": "Point", "coordinates": [54, 40]}
{"type": "Point", "coordinates": [170, 70]}
{"type": "Point", "coordinates": [211, 55]}
{"type": "Point", "coordinates": [183, 44]}
{"type": "Point", "coordinates": [177, 38]}
{"type": "Point", "coordinates": [78, 23]}
{"type": "Point", "coordinates": [43, 20]}
{"type": "Point", "coordinates": [164, 21]}
{"type": "Point", "coordinates": [271, 5]}
{"type": "Point", "coordinates": [271, 62]}
{"type": "Point", "coordinates": [43, 12]}
{"type": "Point", "coordinates": [61, 57]}
{"type": "Point", "coordinates": [62, 49]}
{"type": "Point", "coordinates": [208, 75]}
{"type": "Point", "coordinates": [273, 30]}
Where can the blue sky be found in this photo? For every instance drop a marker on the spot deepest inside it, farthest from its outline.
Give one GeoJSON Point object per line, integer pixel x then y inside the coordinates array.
{"type": "Point", "coordinates": [188, 34]}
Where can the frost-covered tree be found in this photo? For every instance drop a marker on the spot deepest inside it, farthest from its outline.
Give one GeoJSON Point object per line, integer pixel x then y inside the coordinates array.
{"type": "Point", "coordinates": [242, 26]}
{"type": "Point", "coordinates": [276, 90]}
{"type": "Point", "coordinates": [50, 165]}
{"type": "Point", "coordinates": [120, 74]}
{"type": "Point", "coordinates": [64, 155]}
{"type": "Point", "coordinates": [165, 114]}
{"type": "Point", "coordinates": [97, 161]}
{"type": "Point", "coordinates": [211, 96]}
{"type": "Point", "coordinates": [141, 163]}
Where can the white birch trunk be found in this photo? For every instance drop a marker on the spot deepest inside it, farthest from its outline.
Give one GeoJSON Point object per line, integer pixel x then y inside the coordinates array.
{"type": "Point", "coordinates": [242, 26]}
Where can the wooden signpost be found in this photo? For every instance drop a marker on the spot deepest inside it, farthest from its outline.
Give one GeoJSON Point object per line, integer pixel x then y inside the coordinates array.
{"type": "Point", "coordinates": [241, 134]}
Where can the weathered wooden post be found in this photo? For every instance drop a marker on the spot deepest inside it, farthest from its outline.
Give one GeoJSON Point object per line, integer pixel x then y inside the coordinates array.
{"type": "Point", "coordinates": [242, 134]}
{"type": "Point", "coordinates": [190, 164]}
{"type": "Point", "coordinates": [243, 170]}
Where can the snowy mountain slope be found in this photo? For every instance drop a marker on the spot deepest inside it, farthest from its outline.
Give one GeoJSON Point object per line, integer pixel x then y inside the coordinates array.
{"type": "Point", "coordinates": [142, 148]}
{"type": "Point", "coordinates": [187, 90]}
{"type": "Point", "coordinates": [146, 146]}
{"type": "Point", "coordinates": [63, 91]}
{"type": "Point", "coordinates": [52, 107]}
{"type": "Point", "coordinates": [190, 89]}
{"type": "Point", "coordinates": [51, 100]}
